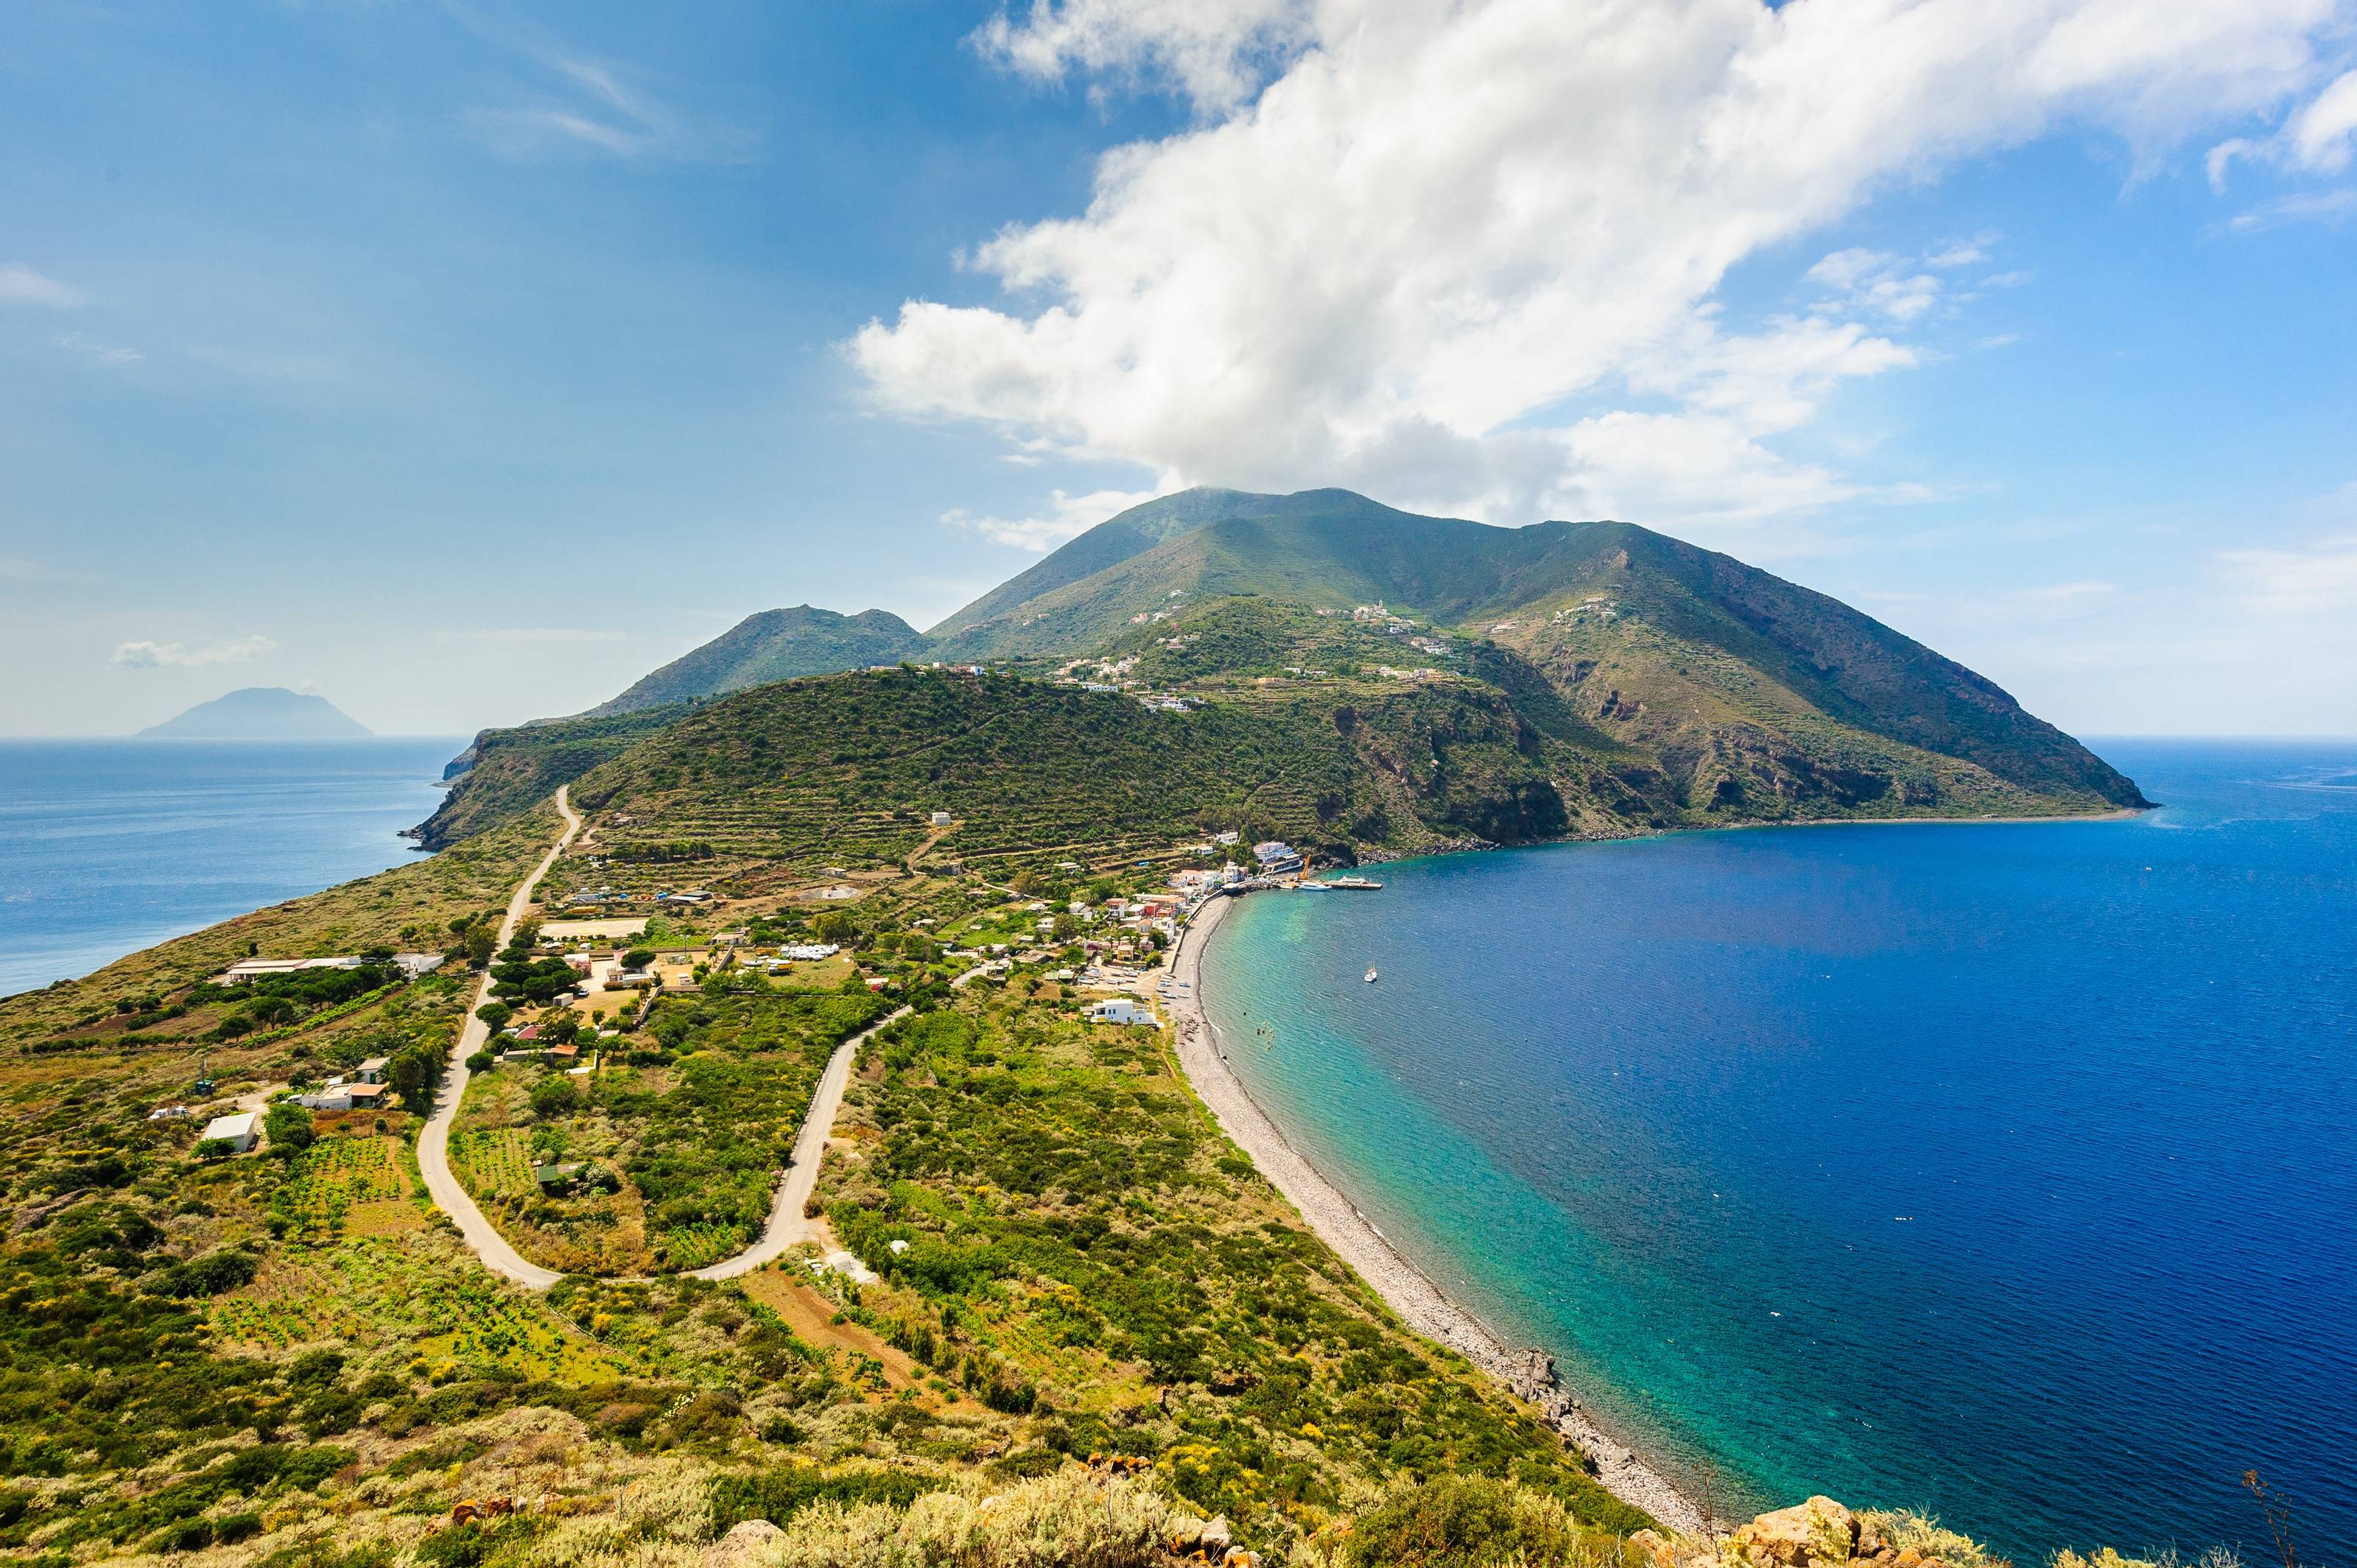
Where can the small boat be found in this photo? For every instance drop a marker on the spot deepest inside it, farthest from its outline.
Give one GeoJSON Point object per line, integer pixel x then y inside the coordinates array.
{"type": "Point", "coordinates": [1356, 884]}
{"type": "Point", "coordinates": [1371, 977]}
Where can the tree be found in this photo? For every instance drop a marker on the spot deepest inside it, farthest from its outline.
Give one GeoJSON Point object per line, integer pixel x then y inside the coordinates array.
{"type": "Point", "coordinates": [561, 1029]}
{"type": "Point", "coordinates": [481, 942]}
{"type": "Point", "coordinates": [414, 1072]}
{"type": "Point", "coordinates": [481, 1061]}
{"type": "Point", "coordinates": [290, 1127]}
{"type": "Point", "coordinates": [495, 1013]}
{"type": "Point", "coordinates": [638, 958]}
{"type": "Point", "coordinates": [553, 1097]}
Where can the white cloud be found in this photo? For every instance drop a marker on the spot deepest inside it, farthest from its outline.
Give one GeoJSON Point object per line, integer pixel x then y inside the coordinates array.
{"type": "Point", "coordinates": [104, 353]}
{"type": "Point", "coordinates": [2317, 577]}
{"type": "Point", "coordinates": [2315, 139]}
{"type": "Point", "coordinates": [591, 108]}
{"type": "Point", "coordinates": [2322, 133]}
{"type": "Point", "coordinates": [1219, 51]}
{"type": "Point", "coordinates": [1464, 251]}
{"type": "Point", "coordinates": [532, 132]}
{"type": "Point", "coordinates": [1962, 253]}
{"type": "Point", "coordinates": [23, 285]}
{"type": "Point", "coordinates": [1068, 517]}
{"type": "Point", "coordinates": [2307, 207]}
{"type": "Point", "coordinates": [159, 655]}
{"type": "Point", "coordinates": [1869, 281]}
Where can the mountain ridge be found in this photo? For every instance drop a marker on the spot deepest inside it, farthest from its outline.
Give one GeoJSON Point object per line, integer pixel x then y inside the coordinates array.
{"type": "Point", "coordinates": [1713, 692]}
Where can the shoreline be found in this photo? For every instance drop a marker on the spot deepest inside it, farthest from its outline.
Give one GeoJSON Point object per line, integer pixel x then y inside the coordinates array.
{"type": "Point", "coordinates": [1402, 1286]}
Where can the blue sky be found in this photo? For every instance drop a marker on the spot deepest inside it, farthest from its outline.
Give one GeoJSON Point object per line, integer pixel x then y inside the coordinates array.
{"type": "Point", "coordinates": [462, 362]}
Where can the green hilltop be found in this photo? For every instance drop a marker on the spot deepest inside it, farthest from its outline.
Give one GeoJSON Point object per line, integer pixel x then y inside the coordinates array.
{"type": "Point", "coordinates": [774, 645]}
{"type": "Point", "coordinates": [1441, 681]}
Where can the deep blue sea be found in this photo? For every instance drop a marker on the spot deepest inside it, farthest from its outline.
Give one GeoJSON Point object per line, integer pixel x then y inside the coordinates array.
{"type": "Point", "coordinates": [2006, 1170]}
{"type": "Point", "coordinates": [108, 846]}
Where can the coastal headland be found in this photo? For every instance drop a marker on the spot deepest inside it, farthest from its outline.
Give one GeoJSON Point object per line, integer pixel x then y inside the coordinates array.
{"type": "Point", "coordinates": [1403, 1287]}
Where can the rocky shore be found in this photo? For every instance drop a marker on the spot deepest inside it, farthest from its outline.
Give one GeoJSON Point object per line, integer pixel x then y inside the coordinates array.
{"type": "Point", "coordinates": [1530, 1374]}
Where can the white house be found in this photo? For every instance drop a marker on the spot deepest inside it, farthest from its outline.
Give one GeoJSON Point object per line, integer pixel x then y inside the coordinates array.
{"type": "Point", "coordinates": [1121, 1010]}
{"type": "Point", "coordinates": [374, 1069]}
{"type": "Point", "coordinates": [941, 818]}
{"type": "Point", "coordinates": [239, 1130]}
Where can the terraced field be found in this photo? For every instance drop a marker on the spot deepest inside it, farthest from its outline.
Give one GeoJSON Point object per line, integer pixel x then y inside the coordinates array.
{"type": "Point", "coordinates": [848, 769]}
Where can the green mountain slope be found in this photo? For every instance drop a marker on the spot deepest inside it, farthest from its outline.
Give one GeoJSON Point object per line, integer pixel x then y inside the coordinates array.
{"type": "Point", "coordinates": [1828, 664]}
{"type": "Point", "coordinates": [1133, 533]}
{"type": "Point", "coordinates": [1654, 684]}
{"type": "Point", "coordinates": [775, 645]}
{"type": "Point", "coordinates": [849, 768]}
{"type": "Point", "coordinates": [510, 772]}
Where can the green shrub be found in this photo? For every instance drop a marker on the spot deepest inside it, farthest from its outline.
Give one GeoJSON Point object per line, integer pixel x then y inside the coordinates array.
{"type": "Point", "coordinates": [224, 1269]}
{"type": "Point", "coordinates": [1465, 1521]}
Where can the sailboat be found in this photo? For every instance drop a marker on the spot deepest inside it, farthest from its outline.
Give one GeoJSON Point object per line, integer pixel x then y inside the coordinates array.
{"type": "Point", "coordinates": [1371, 977]}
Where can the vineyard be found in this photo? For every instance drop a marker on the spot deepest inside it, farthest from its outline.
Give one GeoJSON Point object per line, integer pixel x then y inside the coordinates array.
{"type": "Point", "coordinates": [693, 1246]}
{"type": "Point", "coordinates": [345, 1186]}
{"type": "Point", "coordinates": [366, 1291]}
{"type": "Point", "coordinates": [293, 1303]}
{"type": "Point", "coordinates": [493, 1164]}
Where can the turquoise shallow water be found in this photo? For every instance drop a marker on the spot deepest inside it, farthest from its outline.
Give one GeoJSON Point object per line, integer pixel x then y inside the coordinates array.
{"type": "Point", "coordinates": [2006, 1170]}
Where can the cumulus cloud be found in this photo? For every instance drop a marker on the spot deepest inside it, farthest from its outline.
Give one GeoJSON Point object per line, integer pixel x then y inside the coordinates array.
{"type": "Point", "coordinates": [1218, 51]}
{"type": "Point", "coordinates": [23, 285]}
{"type": "Point", "coordinates": [161, 655]}
{"type": "Point", "coordinates": [1068, 517]}
{"type": "Point", "coordinates": [1465, 253]}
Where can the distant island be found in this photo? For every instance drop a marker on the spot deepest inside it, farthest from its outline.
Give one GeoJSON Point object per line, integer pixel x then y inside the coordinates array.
{"type": "Point", "coordinates": [260, 712]}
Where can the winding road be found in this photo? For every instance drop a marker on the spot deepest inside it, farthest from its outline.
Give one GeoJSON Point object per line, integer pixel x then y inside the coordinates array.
{"type": "Point", "coordinates": [787, 1228]}
{"type": "Point", "coordinates": [434, 1141]}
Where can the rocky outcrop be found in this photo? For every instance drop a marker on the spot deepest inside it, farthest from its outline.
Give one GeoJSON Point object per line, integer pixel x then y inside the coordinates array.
{"type": "Point", "coordinates": [1819, 1533]}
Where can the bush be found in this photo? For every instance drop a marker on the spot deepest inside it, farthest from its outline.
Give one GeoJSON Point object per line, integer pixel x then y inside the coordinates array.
{"type": "Point", "coordinates": [553, 1097]}
{"type": "Point", "coordinates": [1465, 1521]}
{"type": "Point", "coordinates": [481, 1061]}
{"type": "Point", "coordinates": [290, 1127]}
{"type": "Point", "coordinates": [214, 1148]}
{"type": "Point", "coordinates": [778, 1495]}
{"type": "Point", "coordinates": [224, 1269]}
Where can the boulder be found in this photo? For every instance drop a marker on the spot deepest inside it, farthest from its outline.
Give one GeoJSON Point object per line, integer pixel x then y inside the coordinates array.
{"type": "Point", "coordinates": [1652, 1548]}
{"type": "Point", "coordinates": [742, 1546]}
{"type": "Point", "coordinates": [1817, 1531]}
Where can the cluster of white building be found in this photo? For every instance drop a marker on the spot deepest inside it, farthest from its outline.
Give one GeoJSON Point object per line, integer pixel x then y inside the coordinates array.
{"type": "Point", "coordinates": [411, 964]}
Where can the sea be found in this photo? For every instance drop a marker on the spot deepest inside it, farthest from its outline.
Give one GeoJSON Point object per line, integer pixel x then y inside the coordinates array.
{"type": "Point", "coordinates": [2008, 1171]}
{"type": "Point", "coordinates": [109, 846]}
